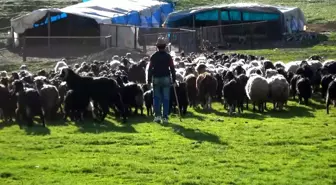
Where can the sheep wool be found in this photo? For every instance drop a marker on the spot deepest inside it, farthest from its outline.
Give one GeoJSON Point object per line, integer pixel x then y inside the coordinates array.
{"type": "Point", "coordinates": [257, 88]}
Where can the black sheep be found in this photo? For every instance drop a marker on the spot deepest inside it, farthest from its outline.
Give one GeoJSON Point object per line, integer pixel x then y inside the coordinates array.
{"type": "Point", "coordinates": [316, 81]}
{"type": "Point", "coordinates": [191, 90]}
{"type": "Point", "coordinates": [304, 89]}
{"type": "Point", "coordinates": [75, 105]}
{"type": "Point", "coordinates": [7, 103]}
{"type": "Point", "coordinates": [219, 86]}
{"type": "Point", "coordinates": [293, 83]}
{"type": "Point", "coordinates": [148, 97]}
{"type": "Point", "coordinates": [103, 91]}
{"type": "Point", "coordinates": [28, 103]}
{"type": "Point", "coordinates": [268, 65]}
{"type": "Point", "coordinates": [229, 94]}
{"type": "Point", "coordinates": [182, 97]}
{"type": "Point", "coordinates": [325, 84]}
{"type": "Point", "coordinates": [331, 94]}
{"type": "Point", "coordinates": [242, 81]}
{"type": "Point", "coordinates": [329, 68]}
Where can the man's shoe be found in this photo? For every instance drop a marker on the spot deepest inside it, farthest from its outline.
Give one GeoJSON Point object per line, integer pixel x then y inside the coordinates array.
{"type": "Point", "coordinates": [157, 119]}
{"type": "Point", "coordinates": [165, 120]}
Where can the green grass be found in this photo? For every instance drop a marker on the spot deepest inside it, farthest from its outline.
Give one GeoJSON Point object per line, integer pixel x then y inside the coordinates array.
{"type": "Point", "coordinates": [316, 11]}
{"type": "Point", "coordinates": [296, 146]}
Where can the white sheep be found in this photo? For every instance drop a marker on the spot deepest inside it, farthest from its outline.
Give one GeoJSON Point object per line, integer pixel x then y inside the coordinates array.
{"type": "Point", "coordinates": [278, 91]}
{"type": "Point", "coordinates": [292, 66]}
{"type": "Point", "coordinates": [254, 70]}
{"type": "Point", "coordinates": [59, 66]}
{"type": "Point", "coordinates": [3, 73]}
{"type": "Point", "coordinates": [257, 91]}
{"type": "Point", "coordinates": [271, 72]}
{"type": "Point", "coordinates": [114, 64]}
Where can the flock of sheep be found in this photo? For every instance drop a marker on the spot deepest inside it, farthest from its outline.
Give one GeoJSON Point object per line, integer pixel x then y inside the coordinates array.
{"type": "Point", "coordinates": [90, 90]}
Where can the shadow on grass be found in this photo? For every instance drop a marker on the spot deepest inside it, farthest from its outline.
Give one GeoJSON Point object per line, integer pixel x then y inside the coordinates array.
{"type": "Point", "coordinates": [291, 112]}
{"type": "Point", "coordinates": [36, 130]}
{"type": "Point", "coordinates": [195, 134]}
{"type": "Point", "coordinates": [105, 126]}
{"type": "Point", "coordinates": [5, 124]}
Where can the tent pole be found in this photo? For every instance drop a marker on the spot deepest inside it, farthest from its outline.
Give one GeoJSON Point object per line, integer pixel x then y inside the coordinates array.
{"type": "Point", "coordinates": [49, 28]}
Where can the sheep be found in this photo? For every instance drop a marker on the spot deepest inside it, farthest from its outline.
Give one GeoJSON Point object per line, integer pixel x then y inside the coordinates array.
{"type": "Point", "coordinates": [304, 89]}
{"type": "Point", "coordinates": [271, 72]}
{"type": "Point", "coordinates": [257, 91]}
{"type": "Point", "coordinates": [315, 65]}
{"type": "Point", "coordinates": [230, 90]}
{"type": "Point", "coordinates": [331, 94]}
{"type": "Point", "coordinates": [242, 80]}
{"type": "Point", "coordinates": [329, 67]}
{"type": "Point", "coordinates": [148, 98]}
{"type": "Point", "coordinates": [28, 103]}
{"type": "Point", "coordinates": [279, 64]}
{"type": "Point", "coordinates": [137, 72]}
{"type": "Point", "coordinates": [103, 91]}
{"type": "Point", "coordinates": [49, 98]}
{"type": "Point", "coordinates": [254, 70]}
{"type": "Point", "coordinates": [220, 84]}
{"type": "Point", "coordinates": [325, 81]}
{"type": "Point", "coordinates": [267, 65]}
{"type": "Point", "coordinates": [278, 91]}
{"type": "Point", "coordinates": [75, 105]}
{"type": "Point", "coordinates": [60, 64]}
{"type": "Point", "coordinates": [201, 68]}
{"type": "Point", "coordinates": [7, 103]}
{"type": "Point", "coordinates": [132, 96]}
{"type": "Point", "coordinates": [182, 96]}
{"type": "Point", "coordinates": [191, 89]}
{"type": "Point", "coordinates": [114, 64]}
{"type": "Point", "coordinates": [206, 86]}
{"type": "Point", "coordinates": [292, 66]}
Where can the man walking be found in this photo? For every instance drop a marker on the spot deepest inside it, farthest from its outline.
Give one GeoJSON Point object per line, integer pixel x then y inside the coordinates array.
{"type": "Point", "coordinates": [161, 68]}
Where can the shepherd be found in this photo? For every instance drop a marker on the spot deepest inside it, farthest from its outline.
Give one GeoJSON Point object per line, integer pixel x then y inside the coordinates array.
{"type": "Point", "coordinates": [161, 72]}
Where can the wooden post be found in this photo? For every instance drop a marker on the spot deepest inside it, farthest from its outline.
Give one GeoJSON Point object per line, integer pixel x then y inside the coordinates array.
{"type": "Point", "coordinates": [24, 57]}
{"type": "Point", "coordinates": [49, 29]}
{"type": "Point", "coordinates": [144, 44]}
{"type": "Point", "coordinates": [135, 37]}
{"type": "Point", "coordinates": [116, 35]}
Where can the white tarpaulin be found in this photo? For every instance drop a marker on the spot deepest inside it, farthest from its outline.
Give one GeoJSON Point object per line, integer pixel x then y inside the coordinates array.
{"type": "Point", "coordinates": [102, 11]}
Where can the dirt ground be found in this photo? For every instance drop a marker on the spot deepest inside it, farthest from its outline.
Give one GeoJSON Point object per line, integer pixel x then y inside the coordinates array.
{"type": "Point", "coordinates": [328, 27]}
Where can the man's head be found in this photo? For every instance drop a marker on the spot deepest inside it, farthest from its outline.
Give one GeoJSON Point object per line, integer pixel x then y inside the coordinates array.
{"type": "Point", "coordinates": [161, 43]}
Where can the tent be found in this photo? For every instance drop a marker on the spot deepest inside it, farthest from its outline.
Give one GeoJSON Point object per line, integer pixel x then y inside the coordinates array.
{"type": "Point", "coordinates": [237, 13]}
{"type": "Point", "coordinates": [145, 13]}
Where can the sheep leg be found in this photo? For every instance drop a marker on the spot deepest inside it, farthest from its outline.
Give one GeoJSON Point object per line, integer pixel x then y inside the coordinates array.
{"type": "Point", "coordinates": [120, 106]}
{"type": "Point", "coordinates": [42, 118]}
{"type": "Point", "coordinates": [254, 109]}
{"type": "Point", "coordinates": [147, 108]}
{"type": "Point", "coordinates": [274, 105]}
{"type": "Point", "coordinates": [209, 102]}
{"type": "Point", "coordinates": [306, 101]}
{"type": "Point", "coordinates": [327, 104]}
{"type": "Point", "coordinates": [300, 100]}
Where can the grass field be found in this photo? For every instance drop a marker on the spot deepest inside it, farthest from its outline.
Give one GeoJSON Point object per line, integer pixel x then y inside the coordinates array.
{"type": "Point", "coordinates": [296, 146]}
